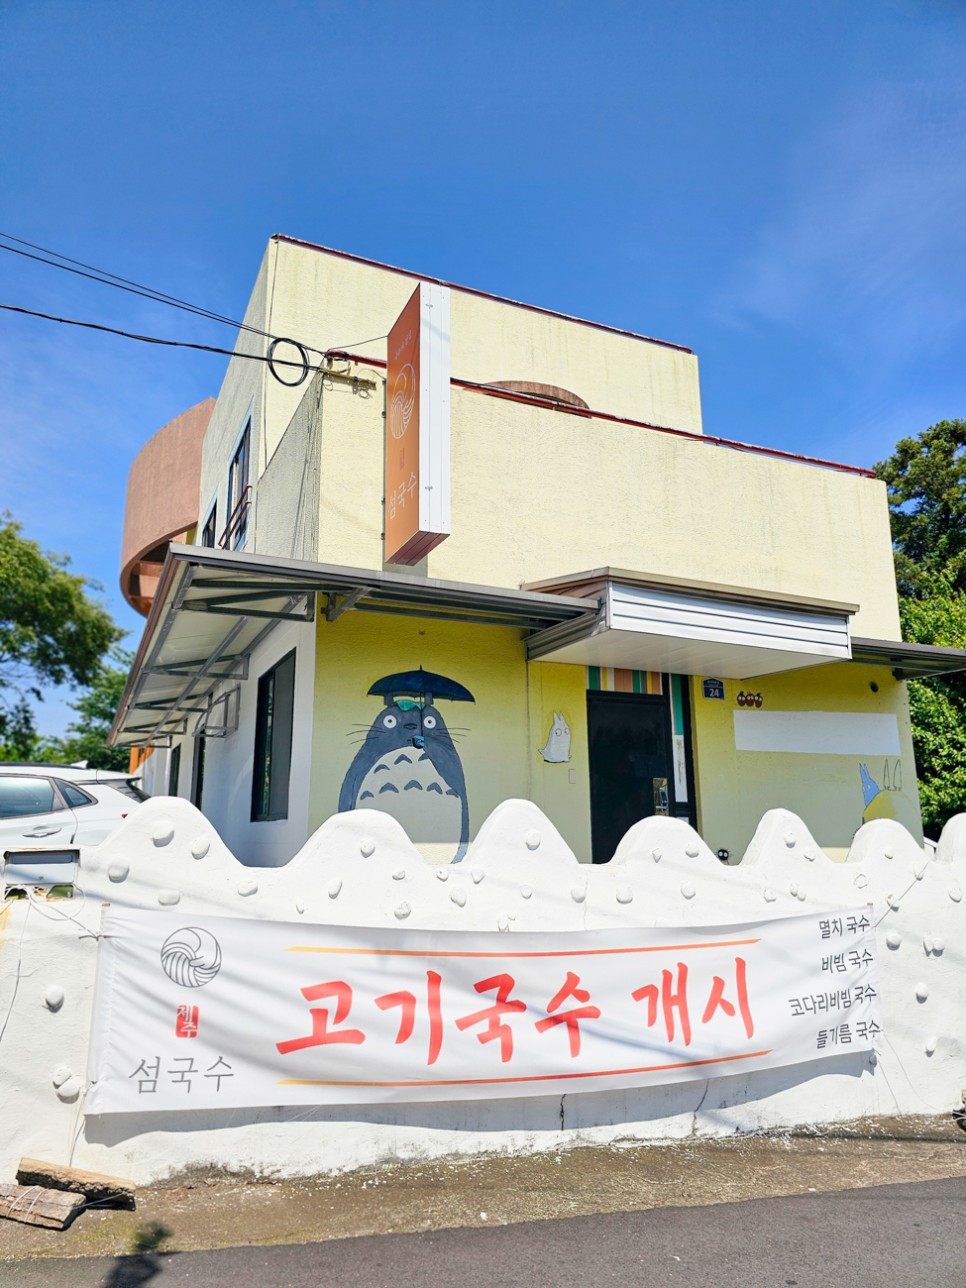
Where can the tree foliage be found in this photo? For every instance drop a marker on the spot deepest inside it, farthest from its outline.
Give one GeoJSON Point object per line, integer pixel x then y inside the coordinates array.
{"type": "Point", "coordinates": [86, 736]}
{"type": "Point", "coordinates": [52, 631]}
{"type": "Point", "coordinates": [938, 707]}
{"type": "Point", "coordinates": [926, 481]}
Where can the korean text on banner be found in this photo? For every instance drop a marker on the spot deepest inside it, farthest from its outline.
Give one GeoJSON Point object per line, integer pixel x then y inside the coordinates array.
{"type": "Point", "coordinates": [216, 1011]}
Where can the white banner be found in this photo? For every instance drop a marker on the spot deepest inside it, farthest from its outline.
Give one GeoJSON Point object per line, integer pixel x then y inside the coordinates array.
{"type": "Point", "coordinates": [208, 1012]}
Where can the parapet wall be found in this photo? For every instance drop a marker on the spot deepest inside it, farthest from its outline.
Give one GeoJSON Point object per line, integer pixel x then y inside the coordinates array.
{"type": "Point", "coordinates": [360, 869]}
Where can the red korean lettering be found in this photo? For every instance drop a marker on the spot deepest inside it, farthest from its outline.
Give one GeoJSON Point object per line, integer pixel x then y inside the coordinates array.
{"type": "Point", "coordinates": [717, 998]}
{"type": "Point", "coordinates": [671, 1000]}
{"type": "Point", "coordinates": [321, 1034]}
{"type": "Point", "coordinates": [570, 988]}
{"type": "Point", "coordinates": [503, 985]}
{"type": "Point", "coordinates": [406, 1002]}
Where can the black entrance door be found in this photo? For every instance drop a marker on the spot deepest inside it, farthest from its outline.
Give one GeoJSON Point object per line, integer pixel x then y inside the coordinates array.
{"type": "Point", "coordinates": [631, 775]}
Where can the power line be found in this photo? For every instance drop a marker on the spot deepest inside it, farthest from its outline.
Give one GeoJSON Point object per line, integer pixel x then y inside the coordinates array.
{"type": "Point", "coordinates": [94, 274]}
{"type": "Point", "coordinates": [304, 365]}
{"type": "Point", "coordinates": [122, 283]}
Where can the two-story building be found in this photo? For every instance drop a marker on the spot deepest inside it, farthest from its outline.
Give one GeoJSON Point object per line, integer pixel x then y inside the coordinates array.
{"type": "Point", "coordinates": [443, 549]}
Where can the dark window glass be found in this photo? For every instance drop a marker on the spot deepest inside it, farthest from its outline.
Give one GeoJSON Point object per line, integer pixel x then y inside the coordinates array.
{"type": "Point", "coordinates": [74, 797]}
{"type": "Point", "coordinates": [174, 770]}
{"type": "Point", "coordinates": [237, 524]}
{"type": "Point", "coordinates": [20, 796]}
{"type": "Point", "coordinates": [273, 741]}
{"type": "Point", "coordinates": [128, 787]}
{"type": "Point", "coordinates": [209, 533]}
{"type": "Point", "coordinates": [198, 773]}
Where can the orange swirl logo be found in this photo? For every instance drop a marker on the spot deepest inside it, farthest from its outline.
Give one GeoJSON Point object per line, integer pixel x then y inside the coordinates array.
{"type": "Point", "coordinates": [403, 401]}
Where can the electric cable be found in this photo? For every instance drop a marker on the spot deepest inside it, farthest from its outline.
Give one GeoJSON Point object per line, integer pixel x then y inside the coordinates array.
{"type": "Point", "coordinates": [106, 278]}
{"type": "Point", "coordinates": [303, 365]}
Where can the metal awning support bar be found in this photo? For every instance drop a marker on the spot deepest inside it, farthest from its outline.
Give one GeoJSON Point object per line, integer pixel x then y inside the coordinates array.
{"type": "Point", "coordinates": [306, 614]}
{"type": "Point", "coordinates": [237, 667]}
{"type": "Point", "coordinates": [335, 609]}
{"type": "Point", "coordinates": [562, 633]}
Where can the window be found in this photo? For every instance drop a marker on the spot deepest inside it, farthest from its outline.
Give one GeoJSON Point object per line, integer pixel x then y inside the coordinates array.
{"type": "Point", "coordinates": [273, 741]}
{"type": "Point", "coordinates": [198, 772]}
{"type": "Point", "coordinates": [128, 787]}
{"type": "Point", "coordinates": [209, 533]}
{"type": "Point", "coordinates": [20, 796]}
{"type": "Point", "coordinates": [238, 493]}
{"type": "Point", "coordinates": [174, 770]}
{"type": "Point", "coordinates": [75, 797]}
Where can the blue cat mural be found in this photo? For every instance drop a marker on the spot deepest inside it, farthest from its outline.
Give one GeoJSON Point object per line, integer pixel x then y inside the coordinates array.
{"type": "Point", "coordinates": [408, 764]}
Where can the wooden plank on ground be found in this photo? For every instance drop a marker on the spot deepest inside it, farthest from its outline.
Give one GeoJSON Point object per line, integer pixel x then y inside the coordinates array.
{"type": "Point", "coordinates": [33, 1205]}
{"type": "Point", "coordinates": [94, 1187]}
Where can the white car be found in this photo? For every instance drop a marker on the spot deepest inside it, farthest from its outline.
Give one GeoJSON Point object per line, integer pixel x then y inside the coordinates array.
{"type": "Point", "coordinates": [53, 807]}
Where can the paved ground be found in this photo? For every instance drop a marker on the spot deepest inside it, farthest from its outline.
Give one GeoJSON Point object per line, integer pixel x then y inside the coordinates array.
{"type": "Point", "coordinates": [897, 1235]}
{"type": "Point", "coordinates": [667, 1193]}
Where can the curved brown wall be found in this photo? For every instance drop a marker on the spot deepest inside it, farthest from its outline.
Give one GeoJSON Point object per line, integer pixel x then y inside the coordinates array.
{"type": "Point", "coordinates": [162, 500]}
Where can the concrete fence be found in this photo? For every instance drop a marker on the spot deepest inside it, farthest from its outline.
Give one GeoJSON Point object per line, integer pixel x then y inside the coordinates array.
{"type": "Point", "coordinates": [360, 869]}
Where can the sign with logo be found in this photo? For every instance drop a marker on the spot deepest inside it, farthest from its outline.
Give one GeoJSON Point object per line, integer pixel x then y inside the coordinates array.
{"type": "Point", "coordinates": [223, 1012]}
{"type": "Point", "coordinates": [417, 506]}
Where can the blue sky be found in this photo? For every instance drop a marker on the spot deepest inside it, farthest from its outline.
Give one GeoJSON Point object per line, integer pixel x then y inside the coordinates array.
{"type": "Point", "coordinates": [779, 186]}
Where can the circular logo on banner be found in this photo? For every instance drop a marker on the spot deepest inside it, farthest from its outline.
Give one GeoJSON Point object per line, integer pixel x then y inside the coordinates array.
{"type": "Point", "coordinates": [403, 401]}
{"type": "Point", "coordinates": [191, 957]}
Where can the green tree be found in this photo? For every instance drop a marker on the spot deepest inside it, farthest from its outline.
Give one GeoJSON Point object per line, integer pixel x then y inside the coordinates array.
{"type": "Point", "coordinates": [926, 481]}
{"type": "Point", "coordinates": [86, 737]}
{"type": "Point", "coordinates": [937, 707]}
{"type": "Point", "coordinates": [51, 631]}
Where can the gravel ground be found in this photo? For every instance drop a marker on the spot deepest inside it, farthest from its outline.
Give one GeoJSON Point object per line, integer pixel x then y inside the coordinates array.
{"type": "Point", "coordinates": [216, 1210]}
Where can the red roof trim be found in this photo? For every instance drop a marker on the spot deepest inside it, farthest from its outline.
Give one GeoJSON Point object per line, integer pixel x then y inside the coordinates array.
{"type": "Point", "coordinates": [534, 400]}
{"type": "Point", "coordinates": [483, 295]}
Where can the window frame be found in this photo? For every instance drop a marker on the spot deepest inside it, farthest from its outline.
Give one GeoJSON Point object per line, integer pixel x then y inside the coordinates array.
{"type": "Point", "coordinates": [174, 769]}
{"type": "Point", "coordinates": [58, 803]}
{"type": "Point", "coordinates": [242, 449]}
{"type": "Point", "coordinates": [274, 728]}
{"type": "Point", "coordinates": [210, 527]}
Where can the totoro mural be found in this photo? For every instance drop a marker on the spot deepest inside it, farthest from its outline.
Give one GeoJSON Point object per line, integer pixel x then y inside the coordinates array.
{"type": "Point", "coordinates": [887, 800]}
{"type": "Point", "coordinates": [408, 764]}
{"type": "Point", "coordinates": [556, 750]}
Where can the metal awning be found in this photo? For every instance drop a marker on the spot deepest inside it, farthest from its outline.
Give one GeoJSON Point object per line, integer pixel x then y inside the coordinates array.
{"type": "Point", "coordinates": [213, 607]}
{"type": "Point", "coordinates": [909, 661]}
{"type": "Point", "coordinates": [692, 628]}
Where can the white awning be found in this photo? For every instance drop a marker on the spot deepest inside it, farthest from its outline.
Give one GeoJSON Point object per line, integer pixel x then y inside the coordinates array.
{"type": "Point", "coordinates": [650, 625]}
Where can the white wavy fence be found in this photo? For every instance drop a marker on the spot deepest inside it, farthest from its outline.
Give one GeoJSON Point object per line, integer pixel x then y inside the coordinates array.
{"type": "Point", "coordinates": [361, 869]}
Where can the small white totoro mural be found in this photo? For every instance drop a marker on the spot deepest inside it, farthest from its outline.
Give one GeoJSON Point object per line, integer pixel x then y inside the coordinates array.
{"type": "Point", "coordinates": [556, 750]}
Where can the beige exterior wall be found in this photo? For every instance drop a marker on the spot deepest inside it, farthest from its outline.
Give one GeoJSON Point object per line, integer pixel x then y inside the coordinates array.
{"type": "Point", "coordinates": [734, 788]}
{"type": "Point", "coordinates": [536, 493]}
{"type": "Point", "coordinates": [498, 735]}
{"type": "Point", "coordinates": [539, 494]}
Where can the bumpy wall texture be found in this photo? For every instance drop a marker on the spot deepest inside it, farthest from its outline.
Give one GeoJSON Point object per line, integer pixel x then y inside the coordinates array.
{"type": "Point", "coordinates": [360, 869]}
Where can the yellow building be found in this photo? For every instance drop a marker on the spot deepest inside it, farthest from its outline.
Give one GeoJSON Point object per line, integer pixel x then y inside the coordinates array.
{"type": "Point", "coordinates": [602, 609]}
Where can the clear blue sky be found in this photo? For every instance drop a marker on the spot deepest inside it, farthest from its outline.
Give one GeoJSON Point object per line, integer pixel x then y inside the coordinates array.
{"type": "Point", "coordinates": [781, 187]}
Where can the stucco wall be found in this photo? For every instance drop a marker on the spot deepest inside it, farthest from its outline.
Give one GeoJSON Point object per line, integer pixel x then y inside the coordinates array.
{"type": "Point", "coordinates": [734, 788]}
{"type": "Point", "coordinates": [227, 795]}
{"type": "Point", "coordinates": [360, 869]}
{"type": "Point", "coordinates": [498, 735]}
{"type": "Point", "coordinates": [536, 493]}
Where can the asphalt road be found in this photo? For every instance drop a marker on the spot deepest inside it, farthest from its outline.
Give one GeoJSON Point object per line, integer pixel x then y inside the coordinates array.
{"type": "Point", "coordinates": [894, 1235]}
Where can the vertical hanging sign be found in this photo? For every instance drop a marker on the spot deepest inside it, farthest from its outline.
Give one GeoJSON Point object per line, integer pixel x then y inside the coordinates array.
{"type": "Point", "coordinates": [417, 508]}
